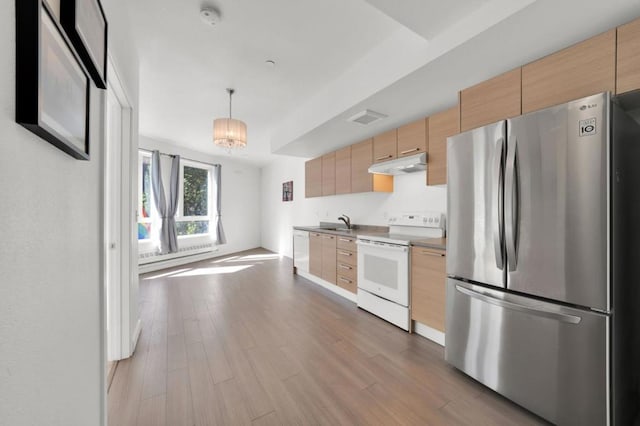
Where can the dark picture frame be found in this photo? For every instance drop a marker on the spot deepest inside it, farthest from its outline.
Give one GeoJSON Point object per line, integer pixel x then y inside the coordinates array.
{"type": "Point", "coordinates": [85, 23]}
{"type": "Point", "coordinates": [52, 86]}
{"type": "Point", "coordinates": [287, 191]}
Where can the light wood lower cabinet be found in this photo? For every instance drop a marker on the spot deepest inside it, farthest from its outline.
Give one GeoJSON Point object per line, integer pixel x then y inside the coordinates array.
{"type": "Point", "coordinates": [315, 254]}
{"type": "Point", "coordinates": [428, 287]}
{"type": "Point", "coordinates": [334, 259]}
{"type": "Point", "coordinates": [347, 260]}
{"type": "Point", "coordinates": [329, 258]}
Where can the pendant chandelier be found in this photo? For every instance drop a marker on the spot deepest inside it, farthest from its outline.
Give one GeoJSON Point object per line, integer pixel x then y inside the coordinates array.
{"type": "Point", "coordinates": [229, 132]}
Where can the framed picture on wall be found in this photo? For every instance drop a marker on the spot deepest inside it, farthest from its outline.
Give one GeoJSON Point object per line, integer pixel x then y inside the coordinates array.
{"type": "Point", "coordinates": [287, 191]}
{"type": "Point", "coordinates": [85, 23]}
{"type": "Point", "coordinates": [52, 86]}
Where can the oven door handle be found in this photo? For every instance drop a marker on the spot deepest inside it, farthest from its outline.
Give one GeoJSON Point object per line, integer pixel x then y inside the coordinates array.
{"type": "Point", "coordinates": [382, 246]}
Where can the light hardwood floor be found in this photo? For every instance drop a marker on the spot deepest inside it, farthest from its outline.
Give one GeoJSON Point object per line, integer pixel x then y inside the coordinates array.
{"type": "Point", "coordinates": [241, 340]}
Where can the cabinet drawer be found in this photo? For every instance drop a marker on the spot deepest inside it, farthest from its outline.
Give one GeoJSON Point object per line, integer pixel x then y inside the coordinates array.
{"type": "Point", "coordinates": [349, 284]}
{"type": "Point", "coordinates": [347, 256]}
{"type": "Point", "coordinates": [346, 270]}
{"type": "Point", "coordinates": [347, 243]}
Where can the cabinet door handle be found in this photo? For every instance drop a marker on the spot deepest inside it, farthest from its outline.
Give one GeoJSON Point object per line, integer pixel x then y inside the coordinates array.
{"type": "Point", "coordinates": [345, 280]}
{"type": "Point", "coordinates": [344, 253]}
{"type": "Point", "coordinates": [328, 237]}
{"type": "Point", "coordinates": [410, 150]}
{"type": "Point", "coordinates": [346, 240]}
{"type": "Point", "coordinates": [384, 157]}
{"type": "Point", "coordinates": [430, 253]}
{"type": "Point", "coordinates": [344, 266]}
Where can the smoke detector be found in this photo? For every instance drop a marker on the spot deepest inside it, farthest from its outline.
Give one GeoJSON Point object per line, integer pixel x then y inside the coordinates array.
{"type": "Point", "coordinates": [210, 16]}
{"type": "Point", "coordinates": [366, 117]}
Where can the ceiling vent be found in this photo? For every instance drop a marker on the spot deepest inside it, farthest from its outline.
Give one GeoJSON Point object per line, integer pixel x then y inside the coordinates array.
{"type": "Point", "coordinates": [366, 117]}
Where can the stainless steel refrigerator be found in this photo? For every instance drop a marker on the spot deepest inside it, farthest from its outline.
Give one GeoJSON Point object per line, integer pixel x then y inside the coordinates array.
{"type": "Point", "coordinates": [543, 260]}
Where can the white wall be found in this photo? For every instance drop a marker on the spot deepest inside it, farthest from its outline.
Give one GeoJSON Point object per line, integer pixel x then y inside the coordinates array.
{"type": "Point", "coordinates": [278, 217]}
{"type": "Point", "coordinates": [52, 353]}
{"type": "Point", "coordinates": [240, 195]}
{"type": "Point", "coordinates": [50, 267]}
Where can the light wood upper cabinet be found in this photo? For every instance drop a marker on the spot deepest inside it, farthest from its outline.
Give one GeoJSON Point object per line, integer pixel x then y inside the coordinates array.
{"type": "Point", "coordinates": [361, 160]}
{"type": "Point", "coordinates": [329, 261]}
{"type": "Point", "coordinates": [492, 100]}
{"type": "Point", "coordinates": [329, 174]}
{"type": "Point", "coordinates": [385, 146]}
{"type": "Point", "coordinates": [343, 171]}
{"type": "Point", "coordinates": [428, 287]}
{"type": "Point", "coordinates": [441, 126]}
{"type": "Point", "coordinates": [315, 254]}
{"type": "Point", "coordinates": [628, 57]}
{"type": "Point", "coordinates": [361, 179]}
{"type": "Point", "coordinates": [577, 71]}
{"type": "Point", "coordinates": [313, 178]}
{"type": "Point", "coordinates": [412, 138]}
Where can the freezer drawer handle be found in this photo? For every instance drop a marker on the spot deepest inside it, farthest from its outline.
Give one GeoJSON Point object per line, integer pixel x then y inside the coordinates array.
{"type": "Point", "coordinates": [539, 312]}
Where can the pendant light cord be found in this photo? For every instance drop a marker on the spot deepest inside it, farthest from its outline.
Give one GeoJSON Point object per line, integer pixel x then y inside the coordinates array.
{"type": "Point", "coordinates": [230, 95]}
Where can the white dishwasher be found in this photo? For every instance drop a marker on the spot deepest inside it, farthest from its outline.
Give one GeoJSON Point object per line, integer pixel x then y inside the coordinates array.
{"type": "Point", "coordinates": [301, 250]}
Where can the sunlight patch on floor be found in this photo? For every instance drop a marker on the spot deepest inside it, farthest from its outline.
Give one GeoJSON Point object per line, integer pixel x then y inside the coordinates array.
{"type": "Point", "coordinates": [166, 274]}
{"type": "Point", "coordinates": [211, 271]}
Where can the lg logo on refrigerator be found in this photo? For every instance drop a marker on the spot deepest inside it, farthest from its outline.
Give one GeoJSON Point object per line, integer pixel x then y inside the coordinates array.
{"type": "Point", "coordinates": [587, 127]}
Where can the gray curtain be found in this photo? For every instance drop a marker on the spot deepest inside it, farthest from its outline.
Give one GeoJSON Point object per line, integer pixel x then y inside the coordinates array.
{"type": "Point", "coordinates": [217, 181]}
{"type": "Point", "coordinates": [168, 234]}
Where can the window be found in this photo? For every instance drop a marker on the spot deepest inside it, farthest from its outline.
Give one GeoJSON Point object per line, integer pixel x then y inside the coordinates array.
{"type": "Point", "coordinates": [144, 196]}
{"type": "Point", "coordinates": [193, 211]}
{"type": "Point", "coordinates": [194, 208]}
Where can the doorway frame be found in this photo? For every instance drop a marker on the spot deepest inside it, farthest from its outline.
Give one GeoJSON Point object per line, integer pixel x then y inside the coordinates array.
{"type": "Point", "coordinates": [120, 311]}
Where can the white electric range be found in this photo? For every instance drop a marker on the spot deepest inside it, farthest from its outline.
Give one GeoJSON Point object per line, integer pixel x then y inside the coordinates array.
{"type": "Point", "coordinates": [383, 265]}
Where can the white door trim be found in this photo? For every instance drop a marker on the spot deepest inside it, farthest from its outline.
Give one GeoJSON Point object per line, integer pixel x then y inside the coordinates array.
{"type": "Point", "coordinates": [120, 310]}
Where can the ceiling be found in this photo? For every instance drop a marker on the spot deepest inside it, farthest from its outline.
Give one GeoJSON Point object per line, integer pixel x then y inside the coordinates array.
{"type": "Point", "coordinates": [333, 58]}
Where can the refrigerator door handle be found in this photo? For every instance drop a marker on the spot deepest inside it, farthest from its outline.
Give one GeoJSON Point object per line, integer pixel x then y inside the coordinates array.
{"type": "Point", "coordinates": [498, 202]}
{"type": "Point", "coordinates": [539, 311]}
{"type": "Point", "coordinates": [511, 213]}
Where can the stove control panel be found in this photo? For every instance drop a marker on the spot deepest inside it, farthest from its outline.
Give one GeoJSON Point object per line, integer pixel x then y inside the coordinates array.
{"type": "Point", "coordinates": [423, 220]}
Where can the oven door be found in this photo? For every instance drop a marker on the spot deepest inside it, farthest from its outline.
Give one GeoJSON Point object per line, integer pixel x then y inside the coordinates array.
{"type": "Point", "coordinates": [383, 270]}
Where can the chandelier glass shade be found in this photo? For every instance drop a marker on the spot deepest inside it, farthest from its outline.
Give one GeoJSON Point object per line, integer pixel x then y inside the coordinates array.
{"type": "Point", "coordinates": [229, 132]}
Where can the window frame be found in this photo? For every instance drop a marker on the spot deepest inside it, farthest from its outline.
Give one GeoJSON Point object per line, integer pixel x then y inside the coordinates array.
{"type": "Point", "coordinates": [179, 214]}
{"type": "Point", "coordinates": [140, 204]}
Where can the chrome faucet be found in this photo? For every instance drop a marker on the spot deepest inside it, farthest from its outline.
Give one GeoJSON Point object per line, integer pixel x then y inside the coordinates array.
{"type": "Point", "coordinates": [346, 220]}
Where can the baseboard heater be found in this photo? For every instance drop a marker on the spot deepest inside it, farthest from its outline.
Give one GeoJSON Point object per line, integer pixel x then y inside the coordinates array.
{"type": "Point", "coordinates": [153, 257]}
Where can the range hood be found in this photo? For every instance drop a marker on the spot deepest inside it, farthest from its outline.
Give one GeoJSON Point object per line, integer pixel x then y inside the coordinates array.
{"type": "Point", "coordinates": [401, 166]}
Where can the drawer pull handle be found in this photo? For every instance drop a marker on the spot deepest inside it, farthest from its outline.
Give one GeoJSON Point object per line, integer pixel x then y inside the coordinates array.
{"type": "Point", "coordinates": [410, 150]}
{"type": "Point", "coordinates": [346, 240]}
{"type": "Point", "coordinates": [328, 237]}
{"type": "Point", "coordinates": [430, 253]}
{"type": "Point", "coordinates": [345, 266]}
{"type": "Point", "coordinates": [344, 253]}
{"type": "Point", "coordinates": [345, 280]}
{"type": "Point", "coordinates": [384, 157]}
